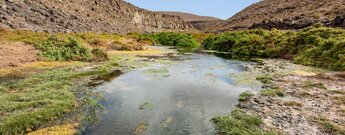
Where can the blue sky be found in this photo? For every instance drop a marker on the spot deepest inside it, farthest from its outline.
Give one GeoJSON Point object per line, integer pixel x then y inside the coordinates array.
{"type": "Point", "coordinates": [218, 8]}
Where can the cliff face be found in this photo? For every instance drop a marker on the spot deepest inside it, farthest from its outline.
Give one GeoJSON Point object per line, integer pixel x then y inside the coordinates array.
{"type": "Point", "coordinates": [287, 14]}
{"type": "Point", "coordinates": [111, 16]}
{"type": "Point", "coordinates": [199, 22]}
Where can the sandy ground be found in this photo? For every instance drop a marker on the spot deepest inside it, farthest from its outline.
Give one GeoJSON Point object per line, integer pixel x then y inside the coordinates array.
{"type": "Point", "coordinates": [13, 54]}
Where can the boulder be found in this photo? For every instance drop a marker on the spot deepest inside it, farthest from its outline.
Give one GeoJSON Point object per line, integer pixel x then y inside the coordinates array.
{"type": "Point", "coordinates": [338, 20]}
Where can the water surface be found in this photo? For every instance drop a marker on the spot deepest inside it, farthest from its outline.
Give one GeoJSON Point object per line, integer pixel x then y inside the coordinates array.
{"type": "Point", "coordinates": [170, 99]}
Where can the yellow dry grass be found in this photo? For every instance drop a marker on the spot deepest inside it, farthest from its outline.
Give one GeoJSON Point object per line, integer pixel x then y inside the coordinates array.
{"type": "Point", "coordinates": [34, 66]}
{"type": "Point", "coordinates": [66, 129]}
{"type": "Point", "coordinates": [304, 73]}
{"type": "Point", "coordinates": [147, 52]}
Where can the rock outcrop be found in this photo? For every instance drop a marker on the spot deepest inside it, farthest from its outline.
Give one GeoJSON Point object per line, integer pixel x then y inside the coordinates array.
{"type": "Point", "coordinates": [111, 16]}
{"type": "Point", "coordinates": [286, 14]}
{"type": "Point", "coordinates": [199, 22]}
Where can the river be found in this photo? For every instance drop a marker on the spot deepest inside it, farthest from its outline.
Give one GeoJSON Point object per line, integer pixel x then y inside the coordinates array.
{"type": "Point", "coordinates": [177, 98]}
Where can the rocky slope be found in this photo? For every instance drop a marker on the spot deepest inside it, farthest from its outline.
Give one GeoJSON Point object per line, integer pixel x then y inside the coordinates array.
{"type": "Point", "coordinates": [112, 16]}
{"type": "Point", "coordinates": [199, 22]}
{"type": "Point", "coordinates": [287, 14]}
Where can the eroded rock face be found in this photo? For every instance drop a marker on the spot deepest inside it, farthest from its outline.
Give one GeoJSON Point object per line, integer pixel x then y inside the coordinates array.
{"type": "Point", "coordinates": [112, 16]}
{"type": "Point", "coordinates": [287, 14]}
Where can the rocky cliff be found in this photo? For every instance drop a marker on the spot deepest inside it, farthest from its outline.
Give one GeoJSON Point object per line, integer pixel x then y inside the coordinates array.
{"type": "Point", "coordinates": [287, 14]}
{"type": "Point", "coordinates": [199, 22]}
{"type": "Point", "coordinates": [111, 16]}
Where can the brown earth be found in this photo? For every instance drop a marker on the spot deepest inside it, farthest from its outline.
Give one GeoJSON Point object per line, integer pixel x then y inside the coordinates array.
{"type": "Point", "coordinates": [199, 22]}
{"type": "Point", "coordinates": [286, 14]}
{"type": "Point", "coordinates": [111, 16]}
{"type": "Point", "coordinates": [13, 54]}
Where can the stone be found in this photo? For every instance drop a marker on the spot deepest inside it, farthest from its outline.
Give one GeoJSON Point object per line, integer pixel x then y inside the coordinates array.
{"type": "Point", "coordinates": [4, 7]}
{"type": "Point", "coordinates": [338, 20]}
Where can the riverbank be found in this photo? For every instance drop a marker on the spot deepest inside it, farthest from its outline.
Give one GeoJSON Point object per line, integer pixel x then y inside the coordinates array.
{"type": "Point", "coordinates": [294, 100]}
{"type": "Point", "coordinates": [56, 96]}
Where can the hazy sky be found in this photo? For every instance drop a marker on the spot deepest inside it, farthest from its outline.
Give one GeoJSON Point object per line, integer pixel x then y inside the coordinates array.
{"type": "Point", "coordinates": [218, 8]}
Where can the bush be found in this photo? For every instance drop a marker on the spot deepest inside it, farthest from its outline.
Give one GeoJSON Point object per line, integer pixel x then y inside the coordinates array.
{"type": "Point", "coordinates": [99, 55]}
{"type": "Point", "coordinates": [63, 50]}
{"type": "Point", "coordinates": [313, 46]}
{"type": "Point", "coordinates": [171, 39]}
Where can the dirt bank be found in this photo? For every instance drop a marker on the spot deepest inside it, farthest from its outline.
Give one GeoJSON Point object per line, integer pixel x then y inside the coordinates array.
{"type": "Point", "coordinates": [13, 54]}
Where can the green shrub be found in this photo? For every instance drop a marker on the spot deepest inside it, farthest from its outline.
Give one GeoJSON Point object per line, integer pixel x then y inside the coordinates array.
{"type": "Point", "coordinates": [99, 55]}
{"type": "Point", "coordinates": [245, 96]}
{"type": "Point", "coordinates": [171, 39]}
{"type": "Point", "coordinates": [239, 123]}
{"type": "Point", "coordinates": [63, 50]}
{"type": "Point", "coordinates": [313, 46]}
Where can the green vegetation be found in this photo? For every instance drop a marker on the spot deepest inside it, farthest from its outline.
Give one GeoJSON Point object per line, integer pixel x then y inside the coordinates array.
{"type": "Point", "coordinates": [265, 79]}
{"type": "Point", "coordinates": [310, 84]}
{"type": "Point", "coordinates": [142, 127]}
{"type": "Point", "coordinates": [41, 98]}
{"type": "Point", "coordinates": [245, 96]}
{"type": "Point", "coordinates": [181, 40]}
{"type": "Point", "coordinates": [146, 106]}
{"type": "Point", "coordinates": [239, 123]}
{"type": "Point", "coordinates": [331, 126]}
{"type": "Point", "coordinates": [320, 47]}
{"type": "Point", "coordinates": [61, 50]}
{"type": "Point", "coordinates": [272, 92]}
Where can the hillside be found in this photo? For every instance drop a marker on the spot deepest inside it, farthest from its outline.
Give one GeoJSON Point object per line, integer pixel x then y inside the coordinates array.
{"type": "Point", "coordinates": [287, 14]}
{"type": "Point", "coordinates": [112, 16]}
{"type": "Point", "coordinates": [199, 22]}
{"type": "Point", "coordinates": [191, 17]}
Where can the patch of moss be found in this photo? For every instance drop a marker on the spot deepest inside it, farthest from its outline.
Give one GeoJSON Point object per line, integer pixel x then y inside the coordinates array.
{"type": "Point", "coordinates": [265, 79]}
{"type": "Point", "coordinates": [142, 127]}
{"type": "Point", "coordinates": [245, 96]}
{"type": "Point", "coordinates": [157, 72]}
{"type": "Point", "coordinates": [310, 84]}
{"type": "Point", "coordinates": [146, 105]}
{"type": "Point", "coordinates": [239, 123]}
{"type": "Point", "coordinates": [272, 92]}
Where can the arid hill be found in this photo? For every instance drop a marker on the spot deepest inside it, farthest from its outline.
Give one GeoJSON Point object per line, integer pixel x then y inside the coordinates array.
{"type": "Point", "coordinates": [191, 17]}
{"type": "Point", "coordinates": [199, 22]}
{"type": "Point", "coordinates": [287, 14]}
{"type": "Point", "coordinates": [112, 16]}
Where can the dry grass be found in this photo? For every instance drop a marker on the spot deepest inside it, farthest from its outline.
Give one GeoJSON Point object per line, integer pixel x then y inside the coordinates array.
{"type": "Point", "coordinates": [66, 129]}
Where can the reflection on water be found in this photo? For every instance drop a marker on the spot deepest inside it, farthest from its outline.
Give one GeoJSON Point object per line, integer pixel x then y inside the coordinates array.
{"type": "Point", "coordinates": [176, 99]}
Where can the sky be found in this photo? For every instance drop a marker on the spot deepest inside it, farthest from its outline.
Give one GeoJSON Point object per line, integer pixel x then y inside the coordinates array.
{"type": "Point", "coordinates": [223, 9]}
